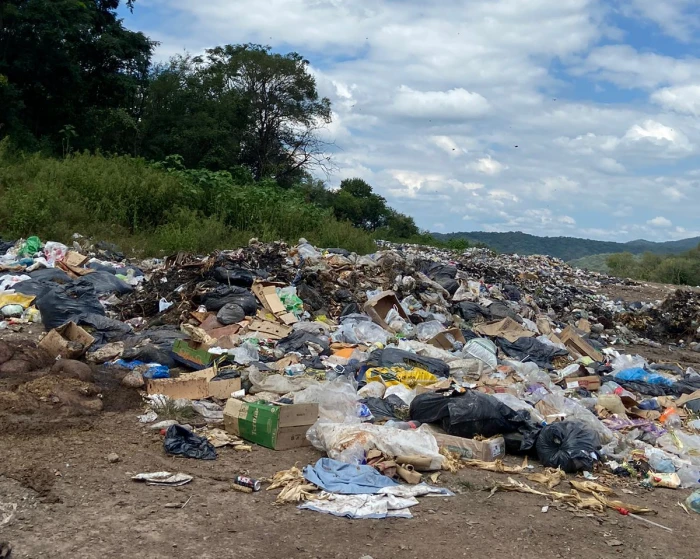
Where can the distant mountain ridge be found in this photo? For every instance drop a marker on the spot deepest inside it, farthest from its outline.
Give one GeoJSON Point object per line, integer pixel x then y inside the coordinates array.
{"type": "Point", "coordinates": [566, 248]}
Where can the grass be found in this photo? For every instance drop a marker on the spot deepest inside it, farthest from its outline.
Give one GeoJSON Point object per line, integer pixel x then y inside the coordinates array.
{"type": "Point", "coordinates": [150, 210]}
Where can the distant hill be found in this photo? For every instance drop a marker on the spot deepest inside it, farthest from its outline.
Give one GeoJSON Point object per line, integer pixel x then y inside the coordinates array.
{"type": "Point", "coordinates": [566, 248]}
{"type": "Point", "coordinates": [595, 263]}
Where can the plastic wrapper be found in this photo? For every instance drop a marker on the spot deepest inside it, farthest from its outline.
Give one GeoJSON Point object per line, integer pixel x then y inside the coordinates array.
{"type": "Point", "coordinates": [391, 376]}
{"type": "Point", "coordinates": [337, 401]}
{"type": "Point", "coordinates": [393, 356]}
{"type": "Point", "coordinates": [54, 252]}
{"type": "Point", "coordinates": [429, 351]}
{"type": "Point", "coordinates": [360, 332]}
{"type": "Point", "coordinates": [568, 445]}
{"type": "Point", "coordinates": [245, 354]}
{"type": "Point", "coordinates": [337, 438]}
{"type": "Point", "coordinates": [428, 330]}
{"type": "Point", "coordinates": [372, 390]}
{"type": "Point", "coordinates": [681, 444]}
{"type": "Point", "coordinates": [405, 393]}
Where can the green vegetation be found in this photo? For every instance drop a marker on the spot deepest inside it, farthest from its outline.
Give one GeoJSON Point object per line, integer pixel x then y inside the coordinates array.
{"type": "Point", "coordinates": [200, 153]}
{"type": "Point", "coordinates": [682, 269]}
{"type": "Point", "coordinates": [567, 248]}
{"type": "Point", "coordinates": [595, 263]}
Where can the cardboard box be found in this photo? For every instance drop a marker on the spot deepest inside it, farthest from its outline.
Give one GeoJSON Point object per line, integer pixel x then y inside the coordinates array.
{"type": "Point", "coordinates": [266, 292]}
{"type": "Point", "coordinates": [379, 306]}
{"type": "Point", "coordinates": [194, 386]}
{"type": "Point", "coordinates": [68, 341]}
{"type": "Point", "coordinates": [195, 357]}
{"type": "Point", "coordinates": [442, 341]}
{"type": "Point", "coordinates": [589, 383]}
{"type": "Point", "coordinates": [270, 329]}
{"type": "Point", "coordinates": [576, 343]}
{"type": "Point", "coordinates": [276, 427]}
{"type": "Point", "coordinates": [488, 450]}
{"type": "Point", "coordinates": [74, 258]}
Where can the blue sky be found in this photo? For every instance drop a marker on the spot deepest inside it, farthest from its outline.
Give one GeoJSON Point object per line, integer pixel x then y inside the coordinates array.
{"type": "Point", "coordinates": [601, 98]}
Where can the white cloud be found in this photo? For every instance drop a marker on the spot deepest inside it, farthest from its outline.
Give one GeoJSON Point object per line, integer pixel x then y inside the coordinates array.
{"type": "Point", "coordinates": [454, 104]}
{"type": "Point", "coordinates": [448, 145]}
{"type": "Point", "coordinates": [682, 99]}
{"type": "Point", "coordinates": [660, 222]}
{"type": "Point", "coordinates": [674, 17]}
{"type": "Point", "coordinates": [487, 166]}
{"type": "Point", "coordinates": [657, 133]}
{"type": "Point", "coordinates": [673, 193]}
{"type": "Point", "coordinates": [568, 220]}
{"type": "Point", "coordinates": [609, 165]}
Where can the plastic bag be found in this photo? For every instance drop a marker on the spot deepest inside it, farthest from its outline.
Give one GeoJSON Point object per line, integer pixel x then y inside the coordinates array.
{"type": "Point", "coordinates": [428, 330]}
{"type": "Point", "coordinates": [471, 414]}
{"type": "Point", "coordinates": [183, 442]}
{"type": "Point", "coordinates": [234, 276]}
{"type": "Point", "coordinates": [337, 401]}
{"type": "Point", "coordinates": [516, 404]}
{"type": "Point", "coordinates": [482, 349]}
{"type": "Point", "coordinates": [335, 438]}
{"type": "Point", "coordinates": [531, 350]}
{"type": "Point", "coordinates": [214, 300]}
{"type": "Point", "coordinates": [360, 332]}
{"type": "Point", "coordinates": [67, 302]}
{"type": "Point", "coordinates": [290, 300]}
{"type": "Point", "coordinates": [401, 391]}
{"type": "Point", "coordinates": [372, 390]}
{"type": "Point", "coordinates": [54, 252]}
{"type": "Point", "coordinates": [30, 247]}
{"type": "Point", "coordinates": [391, 376]}
{"type": "Point", "coordinates": [622, 362]}
{"type": "Point", "coordinates": [640, 375]}
{"type": "Point", "coordinates": [392, 356]}
{"type": "Point", "coordinates": [308, 252]}
{"type": "Point", "coordinates": [571, 409]}
{"type": "Point", "coordinates": [230, 313]}
{"type": "Point", "coordinates": [567, 445]}
{"type": "Point", "coordinates": [245, 354]}
{"type": "Point", "coordinates": [279, 384]}
{"type": "Point", "coordinates": [103, 329]}
{"type": "Point", "coordinates": [104, 282]}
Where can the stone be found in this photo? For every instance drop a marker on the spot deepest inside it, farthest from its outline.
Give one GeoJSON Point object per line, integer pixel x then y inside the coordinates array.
{"type": "Point", "coordinates": [113, 458]}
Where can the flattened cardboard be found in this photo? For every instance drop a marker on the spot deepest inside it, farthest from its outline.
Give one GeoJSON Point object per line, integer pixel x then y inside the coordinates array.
{"type": "Point", "coordinates": [275, 427]}
{"type": "Point", "coordinates": [506, 328]}
{"type": "Point", "coordinates": [194, 386]}
{"type": "Point", "coordinates": [266, 292]}
{"type": "Point", "coordinates": [442, 341]}
{"type": "Point", "coordinates": [74, 258]}
{"type": "Point", "coordinates": [379, 306]}
{"type": "Point", "coordinates": [589, 383]}
{"type": "Point", "coordinates": [576, 343]}
{"type": "Point", "coordinates": [270, 329]}
{"type": "Point", "coordinates": [60, 341]}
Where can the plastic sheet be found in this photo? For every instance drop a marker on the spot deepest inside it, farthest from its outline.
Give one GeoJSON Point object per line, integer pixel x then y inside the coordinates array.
{"type": "Point", "coordinates": [183, 442]}
{"type": "Point", "coordinates": [334, 438]}
{"type": "Point", "coordinates": [65, 303]}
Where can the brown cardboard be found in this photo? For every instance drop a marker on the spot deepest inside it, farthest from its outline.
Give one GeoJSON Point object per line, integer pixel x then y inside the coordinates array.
{"type": "Point", "coordinates": [589, 383]}
{"type": "Point", "coordinates": [266, 292]}
{"type": "Point", "coordinates": [506, 328]}
{"type": "Point", "coordinates": [194, 386]}
{"type": "Point", "coordinates": [68, 341]}
{"type": "Point", "coordinates": [487, 450]}
{"type": "Point", "coordinates": [73, 258]}
{"type": "Point", "coordinates": [379, 306]}
{"type": "Point", "coordinates": [209, 323]}
{"type": "Point", "coordinates": [270, 329]}
{"type": "Point", "coordinates": [576, 343]}
{"type": "Point", "coordinates": [443, 342]}
{"type": "Point", "coordinates": [224, 331]}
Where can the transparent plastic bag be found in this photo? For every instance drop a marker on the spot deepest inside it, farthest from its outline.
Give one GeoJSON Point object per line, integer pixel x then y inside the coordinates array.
{"type": "Point", "coordinates": [428, 330]}
{"type": "Point", "coordinates": [278, 384]}
{"type": "Point", "coordinates": [337, 400]}
{"type": "Point", "coordinates": [623, 362]}
{"type": "Point", "coordinates": [516, 404]}
{"type": "Point", "coordinates": [571, 409]}
{"type": "Point", "coordinates": [245, 354]}
{"type": "Point", "coordinates": [482, 349]}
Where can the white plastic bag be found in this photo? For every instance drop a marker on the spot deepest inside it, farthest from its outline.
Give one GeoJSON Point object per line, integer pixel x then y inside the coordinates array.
{"type": "Point", "coordinates": [482, 349]}
{"type": "Point", "coordinates": [337, 401]}
{"type": "Point", "coordinates": [428, 330]}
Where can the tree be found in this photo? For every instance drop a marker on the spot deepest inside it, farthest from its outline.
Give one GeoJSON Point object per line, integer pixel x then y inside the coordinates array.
{"type": "Point", "coordinates": [65, 62]}
{"type": "Point", "coordinates": [286, 113]}
{"type": "Point", "coordinates": [622, 264]}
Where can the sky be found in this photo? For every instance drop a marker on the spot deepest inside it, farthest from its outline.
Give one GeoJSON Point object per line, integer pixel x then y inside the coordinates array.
{"type": "Point", "coordinates": [567, 117]}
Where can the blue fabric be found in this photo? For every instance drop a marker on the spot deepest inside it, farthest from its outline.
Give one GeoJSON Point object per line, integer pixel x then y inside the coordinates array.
{"type": "Point", "coordinates": [346, 479]}
{"type": "Point", "coordinates": [640, 375]}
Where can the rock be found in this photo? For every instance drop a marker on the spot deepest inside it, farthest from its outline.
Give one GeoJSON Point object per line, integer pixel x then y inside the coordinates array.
{"type": "Point", "coordinates": [16, 367]}
{"type": "Point", "coordinates": [69, 368]}
{"type": "Point", "coordinates": [113, 458]}
{"type": "Point", "coordinates": [133, 379]}
{"type": "Point", "coordinates": [6, 352]}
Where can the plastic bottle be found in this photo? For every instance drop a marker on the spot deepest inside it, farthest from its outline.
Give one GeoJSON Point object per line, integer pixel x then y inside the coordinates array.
{"type": "Point", "coordinates": [403, 425]}
{"type": "Point", "coordinates": [693, 501]}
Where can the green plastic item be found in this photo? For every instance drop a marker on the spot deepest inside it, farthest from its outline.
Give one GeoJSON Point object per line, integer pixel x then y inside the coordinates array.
{"type": "Point", "coordinates": [30, 247]}
{"type": "Point", "coordinates": [291, 300]}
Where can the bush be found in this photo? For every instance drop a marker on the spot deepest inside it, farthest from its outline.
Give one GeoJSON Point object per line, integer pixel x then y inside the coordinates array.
{"type": "Point", "coordinates": [157, 208]}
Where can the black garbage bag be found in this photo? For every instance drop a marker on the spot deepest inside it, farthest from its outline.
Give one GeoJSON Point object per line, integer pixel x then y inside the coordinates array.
{"type": "Point", "coordinates": [500, 310]}
{"type": "Point", "coordinates": [391, 407]}
{"type": "Point", "coordinates": [444, 276]}
{"type": "Point", "coordinates": [222, 295]}
{"type": "Point", "coordinates": [693, 406]}
{"type": "Point", "coordinates": [473, 413]}
{"type": "Point", "coordinates": [234, 276]}
{"type": "Point", "coordinates": [531, 349]}
{"type": "Point", "coordinates": [568, 445]}
{"type": "Point", "coordinates": [34, 287]}
{"type": "Point", "coordinates": [392, 356]}
{"type": "Point", "coordinates": [310, 297]}
{"type": "Point", "coordinates": [230, 313]}
{"type": "Point", "coordinates": [183, 442]}
{"type": "Point", "coordinates": [100, 267]}
{"type": "Point", "coordinates": [296, 341]}
{"type": "Point", "coordinates": [511, 292]}
{"type": "Point", "coordinates": [105, 330]}
{"type": "Point", "coordinates": [50, 274]}
{"type": "Point", "coordinates": [104, 282]}
{"type": "Point", "coordinates": [471, 311]}
{"type": "Point", "coordinates": [351, 308]}
{"type": "Point", "coordinates": [64, 303]}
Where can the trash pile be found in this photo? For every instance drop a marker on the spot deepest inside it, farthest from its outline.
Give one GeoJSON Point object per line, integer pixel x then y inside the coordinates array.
{"type": "Point", "coordinates": [396, 365]}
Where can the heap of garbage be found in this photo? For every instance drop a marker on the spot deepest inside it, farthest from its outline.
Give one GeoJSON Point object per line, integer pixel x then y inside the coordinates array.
{"type": "Point", "coordinates": [396, 364]}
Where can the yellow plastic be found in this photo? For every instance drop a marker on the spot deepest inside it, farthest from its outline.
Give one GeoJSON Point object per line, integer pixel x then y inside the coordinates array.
{"type": "Point", "coordinates": [391, 376]}
{"type": "Point", "coordinates": [16, 299]}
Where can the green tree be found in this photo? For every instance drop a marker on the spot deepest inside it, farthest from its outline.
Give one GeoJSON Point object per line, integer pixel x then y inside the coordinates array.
{"type": "Point", "coordinates": [622, 264]}
{"type": "Point", "coordinates": [63, 62]}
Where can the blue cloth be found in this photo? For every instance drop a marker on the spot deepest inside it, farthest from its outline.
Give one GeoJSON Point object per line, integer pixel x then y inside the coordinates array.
{"type": "Point", "coordinates": [640, 375]}
{"type": "Point", "coordinates": [346, 479]}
